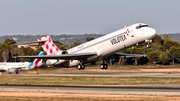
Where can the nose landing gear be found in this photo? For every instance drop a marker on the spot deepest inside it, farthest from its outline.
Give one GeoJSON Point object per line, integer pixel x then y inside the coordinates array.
{"type": "Point", "coordinates": [148, 43]}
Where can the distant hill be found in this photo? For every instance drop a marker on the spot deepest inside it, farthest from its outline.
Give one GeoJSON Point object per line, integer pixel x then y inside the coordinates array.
{"type": "Point", "coordinates": [175, 36]}
{"type": "Point", "coordinates": [65, 39]}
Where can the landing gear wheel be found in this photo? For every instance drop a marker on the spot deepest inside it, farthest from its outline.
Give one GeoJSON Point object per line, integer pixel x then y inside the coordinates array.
{"type": "Point", "coordinates": [148, 43]}
{"type": "Point", "coordinates": [148, 46]}
{"type": "Point", "coordinates": [17, 72]}
{"type": "Point", "coordinates": [81, 67]}
{"type": "Point", "coordinates": [103, 66]}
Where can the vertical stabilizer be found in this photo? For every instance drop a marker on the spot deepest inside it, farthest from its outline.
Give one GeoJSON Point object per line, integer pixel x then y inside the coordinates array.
{"type": "Point", "coordinates": [49, 47]}
{"type": "Point", "coordinates": [37, 62]}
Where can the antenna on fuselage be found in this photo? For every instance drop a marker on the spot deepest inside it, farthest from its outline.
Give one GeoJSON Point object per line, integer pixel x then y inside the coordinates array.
{"type": "Point", "coordinates": [124, 26]}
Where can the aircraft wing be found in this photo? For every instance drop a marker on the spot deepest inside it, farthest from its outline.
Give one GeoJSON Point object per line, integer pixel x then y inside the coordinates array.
{"type": "Point", "coordinates": [62, 56]}
{"type": "Point", "coordinates": [128, 55]}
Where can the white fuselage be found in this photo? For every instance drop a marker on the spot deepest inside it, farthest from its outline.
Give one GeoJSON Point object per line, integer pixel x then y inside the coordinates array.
{"type": "Point", "coordinates": [109, 44]}
{"type": "Point", "coordinates": [7, 66]}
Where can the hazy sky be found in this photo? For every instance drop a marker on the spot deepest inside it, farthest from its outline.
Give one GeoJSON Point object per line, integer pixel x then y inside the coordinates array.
{"type": "Point", "coordinates": [86, 16]}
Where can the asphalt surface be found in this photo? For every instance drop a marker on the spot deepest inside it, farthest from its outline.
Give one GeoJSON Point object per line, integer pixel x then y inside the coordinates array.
{"type": "Point", "coordinates": [98, 89]}
{"type": "Point", "coordinates": [101, 74]}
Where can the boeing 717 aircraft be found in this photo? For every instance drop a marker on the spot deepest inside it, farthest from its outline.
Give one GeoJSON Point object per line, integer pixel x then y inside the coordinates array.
{"type": "Point", "coordinates": [11, 67]}
{"type": "Point", "coordinates": [102, 48]}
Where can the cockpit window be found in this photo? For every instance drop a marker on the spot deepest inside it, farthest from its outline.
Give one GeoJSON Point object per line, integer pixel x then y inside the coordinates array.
{"type": "Point", "coordinates": [140, 26]}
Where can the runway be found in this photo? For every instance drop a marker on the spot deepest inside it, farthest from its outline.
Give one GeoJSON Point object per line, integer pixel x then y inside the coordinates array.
{"type": "Point", "coordinates": [101, 74]}
{"type": "Point", "coordinates": [98, 89]}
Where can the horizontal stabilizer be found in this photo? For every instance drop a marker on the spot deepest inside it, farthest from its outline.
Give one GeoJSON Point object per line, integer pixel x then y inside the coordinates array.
{"type": "Point", "coordinates": [32, 42]}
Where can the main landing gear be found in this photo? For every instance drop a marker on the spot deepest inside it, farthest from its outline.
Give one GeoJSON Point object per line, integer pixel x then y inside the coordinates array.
{"type": "Point", "coordinates": [17, 72]}
{"type": "Point", "coordinates": [81, 66]}
{"type": "Point", "coordinates": [103, 66]}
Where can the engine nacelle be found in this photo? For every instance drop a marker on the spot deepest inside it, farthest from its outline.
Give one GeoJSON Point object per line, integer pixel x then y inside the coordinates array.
{"type": "Point", "coordinates": [64, 52]}
{"type": "Point", "coordinates": [11, 70]}
{"type": "Point", "coordinates": [51, 62]}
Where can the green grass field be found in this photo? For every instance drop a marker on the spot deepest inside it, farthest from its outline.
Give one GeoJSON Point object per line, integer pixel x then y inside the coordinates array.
{"type": "Point", "coordinates": [48, 80]}
{"type": "Point", "coordinates": [12, 98]}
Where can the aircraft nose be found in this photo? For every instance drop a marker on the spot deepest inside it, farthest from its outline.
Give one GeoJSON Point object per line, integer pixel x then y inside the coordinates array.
{"type": "Point", "coordinates": [151, 32]}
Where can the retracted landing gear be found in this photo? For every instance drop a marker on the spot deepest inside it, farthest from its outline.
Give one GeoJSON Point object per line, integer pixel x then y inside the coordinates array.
{"type": "Point", "coordinates": [103, 66]}
{"type": "Point", "coordinates": [80, 66]}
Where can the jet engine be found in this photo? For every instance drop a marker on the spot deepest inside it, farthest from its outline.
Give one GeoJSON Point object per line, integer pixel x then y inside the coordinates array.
{"type": "Point", "coordinates": [11, 71]}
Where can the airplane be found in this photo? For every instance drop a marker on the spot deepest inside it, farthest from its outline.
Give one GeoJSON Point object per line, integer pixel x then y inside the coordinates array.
{"type": "Point", "coordinates": [102, 48]}
{"type": "Point", "coordinates": [11, 67]}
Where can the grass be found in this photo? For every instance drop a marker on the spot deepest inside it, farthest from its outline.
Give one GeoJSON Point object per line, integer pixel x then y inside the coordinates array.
{"type": "Point", "coordinates": [48, 80]}
{"type": "Point", "coordinates": [29, 96]}
{"type": "Point", "coordinates": [6, 98]}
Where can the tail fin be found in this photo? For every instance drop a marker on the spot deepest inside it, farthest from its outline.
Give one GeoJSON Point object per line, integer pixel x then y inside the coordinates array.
{"type": "Point", "coordinates": [37, 62]}
{"type": "Point", "coordinates": [49, 47]}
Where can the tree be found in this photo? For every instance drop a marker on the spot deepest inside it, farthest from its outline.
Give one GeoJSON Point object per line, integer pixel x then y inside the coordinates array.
{"type": "Point", "coordinates": [157, 47]}
{"type": "Point", "coordinates": [27, 51]}
{"type": "Point", "coordinates": [153, 57]}
{"type": "Point", "coordinates": [1, 51]}
{"type": "Point", "coordinates": [157, 39]}
{"type": "Point", "coordinates": [168, 44]}
{"type": "Point", "coordinates": [58, 44]}
{"type": "Point", "coordinates": [6, 51]}
{"type": "Point", "coordinates": [66, 46]}
{"type": "Point", "coordinates": [75, 44]}
{"type": "Point", "coordinates": [166, 37]}
{"type": "Point", "coordinates": [62, 48]}
{"type": "Point", "coordinates": [174, 53]}
{"type": "Point", "coordinates": [163, 58]}
{"type": "Point", "coordinates": [89, 38]}
{"type": "Point", "coordinates": [14, 52]}
{"type": "Point", "coordinates": [9, 41]}
{"type": "Point", "coordinates": [134, 50]}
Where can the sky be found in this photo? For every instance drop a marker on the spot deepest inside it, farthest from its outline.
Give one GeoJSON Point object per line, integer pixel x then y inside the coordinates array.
{"type": "Point", "coordinates": [55, 17]}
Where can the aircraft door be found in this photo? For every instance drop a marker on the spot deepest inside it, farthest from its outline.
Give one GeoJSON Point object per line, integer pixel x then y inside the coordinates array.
{"type": "Point", "coordinates": [131, 33]}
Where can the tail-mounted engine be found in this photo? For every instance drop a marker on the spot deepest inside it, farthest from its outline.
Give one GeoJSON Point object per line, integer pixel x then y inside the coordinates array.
{"type": "Point", "coordinates": [64, 52]}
